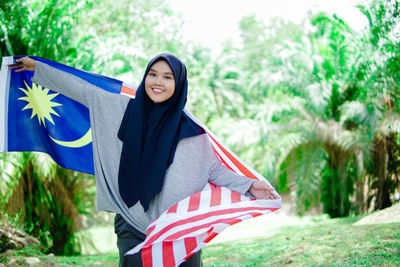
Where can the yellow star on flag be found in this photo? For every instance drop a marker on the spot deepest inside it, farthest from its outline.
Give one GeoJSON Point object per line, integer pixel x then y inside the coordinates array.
{"type": "Point", "coordinates": [39, 100]}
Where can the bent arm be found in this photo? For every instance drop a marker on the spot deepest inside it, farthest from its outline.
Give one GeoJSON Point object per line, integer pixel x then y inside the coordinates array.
{"type": "Point", "coordinates": [220, 175]}
{"type": "Point", "coordinates": [63, 83]}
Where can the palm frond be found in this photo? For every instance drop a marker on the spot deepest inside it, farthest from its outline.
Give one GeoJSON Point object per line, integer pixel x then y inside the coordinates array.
{"type": "Point", "coordinates": [355, 111]}
{"type": "Point", "coordinates": [300, 172]}
{"type": "Point", "coordinates": [390, 124]}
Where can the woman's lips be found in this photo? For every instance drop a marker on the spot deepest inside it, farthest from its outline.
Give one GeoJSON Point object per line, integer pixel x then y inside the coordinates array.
{"type": "Point", "coordinates": [157, 90]}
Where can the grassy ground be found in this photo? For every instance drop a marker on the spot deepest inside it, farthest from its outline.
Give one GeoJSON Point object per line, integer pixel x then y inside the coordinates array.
{"type": "Point", "coordinates": [310, 241]}
{"type": "Point", "coordinates": [333, 243]}
{"type": "Point", "coordinates": [50, 261]}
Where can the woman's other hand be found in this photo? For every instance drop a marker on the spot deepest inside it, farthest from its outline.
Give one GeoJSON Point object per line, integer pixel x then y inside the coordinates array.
{"type": "Point", "coordinates": [25, 63]}
{"type": "Point", "coordinates": [262, 190]}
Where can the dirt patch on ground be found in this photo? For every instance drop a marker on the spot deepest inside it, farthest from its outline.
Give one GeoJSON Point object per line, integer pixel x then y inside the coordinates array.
{"type": "Point", "coordinates": [388, 215]}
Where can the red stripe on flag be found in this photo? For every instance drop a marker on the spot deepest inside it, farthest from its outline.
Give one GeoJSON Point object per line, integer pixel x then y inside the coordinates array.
{"type": "Point", "coordinates": [237, 163]}
{"type": "Point", "coordinates": [223, 161]}
{"type": "Point", "coordinates": [173, 209]}
{"type": "Point", "coordinates": [194, 202]}
{"type": "Point", "coordinates": [215, 196]}
{"type": "Point", "coordinates": [210, 237]}
{"type": "Point", "coordinates": [128, 91]}
{"type": "Point", "coordinates": [190, 245]}
{"type": "Point", "coordinates": [151, 229]}
{"type": "Point", "coordinates": [147, 258]}
{"type": "Point", "coordinates": [235, 197]}
{"type": "Point", "coordinates": [168, 254]}
{"type": "Point", "coordinates": [199, 218]}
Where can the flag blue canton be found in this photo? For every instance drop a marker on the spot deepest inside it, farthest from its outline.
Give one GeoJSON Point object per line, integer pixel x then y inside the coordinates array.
{"type": "Point", "coordinates": [25, 133]}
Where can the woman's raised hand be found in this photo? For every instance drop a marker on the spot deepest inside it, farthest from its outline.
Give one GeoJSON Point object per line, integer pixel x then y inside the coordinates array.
{"type": "Point", "coordinates": [25, 63]}
{"type": "Point", "coordinates": [262, 190]}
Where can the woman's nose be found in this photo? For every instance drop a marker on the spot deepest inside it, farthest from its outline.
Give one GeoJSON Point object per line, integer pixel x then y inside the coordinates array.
{"type": "Point", "coordinates": [158, 80]}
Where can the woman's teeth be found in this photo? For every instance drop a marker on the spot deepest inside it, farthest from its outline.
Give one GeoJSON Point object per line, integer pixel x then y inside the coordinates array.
{"type": "Point", "coordinates": [158, 90]}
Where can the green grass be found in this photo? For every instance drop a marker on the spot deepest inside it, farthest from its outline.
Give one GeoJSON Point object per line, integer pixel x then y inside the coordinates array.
{"type": "Point", "coordinates": [324, 242]}
{"type": "Point", "coordinates": [109, 260]}
{"type": "Point", "coordinates": [333, 243]}
{"type": "Point", "coordinates": [93, 260]}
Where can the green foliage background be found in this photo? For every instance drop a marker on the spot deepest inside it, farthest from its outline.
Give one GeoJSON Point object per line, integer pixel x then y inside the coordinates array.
{"type": "Point", "coordinates": [312, 106]}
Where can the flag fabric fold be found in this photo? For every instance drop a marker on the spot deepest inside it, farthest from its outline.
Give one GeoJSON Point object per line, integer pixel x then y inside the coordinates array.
{"type": "Point", "coordinates": [190, 224]}
{"type": "Point", "coordinates": [33, 118]}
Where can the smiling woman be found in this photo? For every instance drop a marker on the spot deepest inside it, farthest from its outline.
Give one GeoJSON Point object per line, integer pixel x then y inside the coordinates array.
{"type": "Point", "coordinates": [160, 82]}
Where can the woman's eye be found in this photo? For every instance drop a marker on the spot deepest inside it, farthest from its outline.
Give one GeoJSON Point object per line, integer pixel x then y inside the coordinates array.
{"type": "Point", "coordinates": [167, 78]}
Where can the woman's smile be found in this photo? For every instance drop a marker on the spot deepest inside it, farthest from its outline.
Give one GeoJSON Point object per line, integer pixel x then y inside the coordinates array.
{"type": "Point", "coordinates": [158, 90]}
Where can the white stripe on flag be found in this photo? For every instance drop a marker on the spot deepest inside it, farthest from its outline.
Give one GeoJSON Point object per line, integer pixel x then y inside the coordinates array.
{"type": "Point", "coordinates": [128, 95]}
{"type": "Point", "coordinates": [206, 188]}
{"type": "Point", "coordinates": [5, 75]}
{"type": "Point", "coordinates": [157, 252]}
{"type": "Point", "coordinates": [205, 199]}
{"type": "Point", "coordinates": [182, 206]}
{"type": "Point", "coordinates": [179, 247]}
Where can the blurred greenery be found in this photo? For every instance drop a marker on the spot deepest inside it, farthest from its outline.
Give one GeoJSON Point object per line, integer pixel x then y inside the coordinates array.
{"type": "Point", "coordinates": [314, 107]}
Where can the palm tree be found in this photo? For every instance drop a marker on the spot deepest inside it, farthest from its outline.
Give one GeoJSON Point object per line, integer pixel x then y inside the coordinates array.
{"type": "Point", "coordinates": [383, 79]}
{"type": "Point", "coordinates": [354, 131]}
{"type": "Point", "coordinates": [49, 201]}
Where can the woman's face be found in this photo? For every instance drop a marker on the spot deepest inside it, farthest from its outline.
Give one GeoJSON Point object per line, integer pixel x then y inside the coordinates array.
{"type": "Point", "coordinates": [160, 82]}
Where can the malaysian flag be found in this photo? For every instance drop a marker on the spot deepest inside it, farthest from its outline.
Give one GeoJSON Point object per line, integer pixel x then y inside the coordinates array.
{"type": "Point", "coordinates": [180, 231]}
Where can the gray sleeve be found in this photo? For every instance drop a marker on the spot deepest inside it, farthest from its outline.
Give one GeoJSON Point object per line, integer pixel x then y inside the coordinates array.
{"type": "Point", "coordinates": [220, 175]}
{"type": "Point", "coordinates": [63, 83]}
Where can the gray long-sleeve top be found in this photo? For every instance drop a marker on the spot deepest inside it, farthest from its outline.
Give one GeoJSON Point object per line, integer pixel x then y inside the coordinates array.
{"type": "Point", "coordinates": [194, 164]}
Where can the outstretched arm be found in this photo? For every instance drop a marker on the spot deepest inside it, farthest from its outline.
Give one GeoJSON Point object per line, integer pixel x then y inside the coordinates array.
{"type": "Point", "coordinates": [57, 80]}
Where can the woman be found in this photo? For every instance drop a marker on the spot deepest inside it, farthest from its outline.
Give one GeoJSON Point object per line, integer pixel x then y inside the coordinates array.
{"type": "Point", "coordinates": [148, 154]}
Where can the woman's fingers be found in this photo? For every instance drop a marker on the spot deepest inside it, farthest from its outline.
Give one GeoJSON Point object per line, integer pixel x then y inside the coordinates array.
{"type": "Point", "coordinates": [274, 195]}
{"type": "Point", "coordinates": [25, 63]}
{"type": "Point", "coordinates": [263, 190]}
{"type": "Point", "coordinates": [270, 195]}
{"type": "Point", "coordinates": [15, 66]}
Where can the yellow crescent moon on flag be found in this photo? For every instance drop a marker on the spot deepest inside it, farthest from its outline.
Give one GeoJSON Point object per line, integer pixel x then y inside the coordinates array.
{"type": "Point", "coordinates": [83, 141]}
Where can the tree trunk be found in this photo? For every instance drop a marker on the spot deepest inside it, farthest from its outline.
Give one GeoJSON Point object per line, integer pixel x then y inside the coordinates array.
{"type": "Point", "coordinates": [383, 182]}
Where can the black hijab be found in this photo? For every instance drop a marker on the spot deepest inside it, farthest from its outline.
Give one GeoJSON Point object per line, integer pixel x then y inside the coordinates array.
{"type": "Point", "coordinates": [150, 133]}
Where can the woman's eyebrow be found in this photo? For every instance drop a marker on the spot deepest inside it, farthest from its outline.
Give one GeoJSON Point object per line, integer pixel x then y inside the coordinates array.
{"type": "Point", "coordinates": [153, 70]}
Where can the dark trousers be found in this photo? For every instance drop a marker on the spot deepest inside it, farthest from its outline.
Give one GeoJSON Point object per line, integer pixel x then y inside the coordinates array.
{"type": "Point", "coordinates": [128, 237]}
